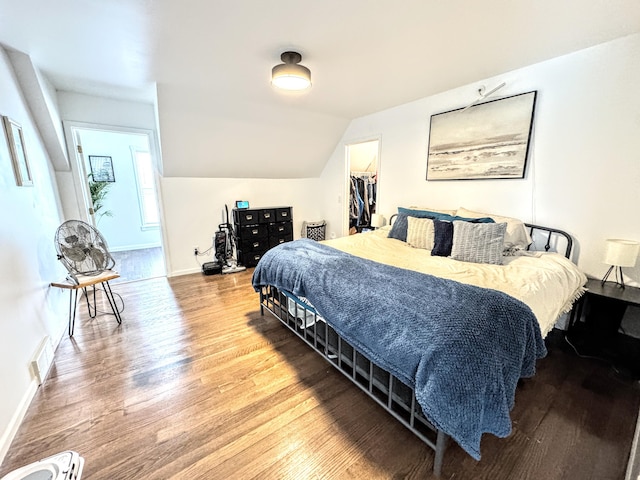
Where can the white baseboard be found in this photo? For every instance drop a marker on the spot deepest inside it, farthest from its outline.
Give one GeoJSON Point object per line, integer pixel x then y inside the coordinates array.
{"type": "Point", "coordinates": [140, 246]}
{"type": "Point", "coordinates": [185, 271]}
{"type": "Point", "coordinates": [9, 434]}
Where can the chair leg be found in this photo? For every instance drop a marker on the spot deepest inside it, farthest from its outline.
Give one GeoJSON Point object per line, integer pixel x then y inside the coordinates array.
{"type": "Point", "coordinates": [92, 314]}
{"type": "Point", "coordinates": [112, 301]}
{"type": "Point", "coordinates": [73, 302]}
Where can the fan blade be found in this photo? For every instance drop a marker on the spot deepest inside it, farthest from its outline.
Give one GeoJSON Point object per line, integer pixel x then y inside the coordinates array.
{"type": "Point", "coordinates": [74, 253]}
{"type": "Point", "coordinates": [98, 258]}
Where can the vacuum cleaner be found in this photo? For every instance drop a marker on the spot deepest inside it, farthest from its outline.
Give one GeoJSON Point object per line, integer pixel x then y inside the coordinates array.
{"type": "Point", "coordinates": [223, 247]}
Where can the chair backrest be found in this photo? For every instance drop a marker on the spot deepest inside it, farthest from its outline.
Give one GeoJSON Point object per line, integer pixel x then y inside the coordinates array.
{"type": "Point", "coordinates": [314, 230]}
{"type": "Point", "coordinates": [82, 249]}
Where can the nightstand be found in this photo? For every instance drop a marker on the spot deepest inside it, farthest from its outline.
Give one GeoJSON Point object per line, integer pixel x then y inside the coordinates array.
{"type": "Point", "coordinates": [598, 335]}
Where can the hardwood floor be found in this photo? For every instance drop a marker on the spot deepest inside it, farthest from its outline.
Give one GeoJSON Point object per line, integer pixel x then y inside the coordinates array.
{"type": "Point", "coordinates": [139, 264]}
{"type": "Point", "coordinates": [196, 384]}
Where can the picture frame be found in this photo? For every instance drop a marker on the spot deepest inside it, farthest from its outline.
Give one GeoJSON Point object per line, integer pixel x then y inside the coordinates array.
{"type": "Point", "coordinates": [485, 141]}
{"type": "Point", "coordinates": [18, 152]}
{"type": "Point", "coordinates": [101, 168]}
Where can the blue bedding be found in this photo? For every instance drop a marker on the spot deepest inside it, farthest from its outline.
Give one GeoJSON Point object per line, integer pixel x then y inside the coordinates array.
{"type": "Point", "coordinates": [462, 348]}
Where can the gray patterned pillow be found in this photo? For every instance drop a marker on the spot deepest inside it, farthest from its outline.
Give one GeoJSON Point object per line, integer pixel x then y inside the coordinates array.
{"type": "Point", "coordinates": [478, 242]}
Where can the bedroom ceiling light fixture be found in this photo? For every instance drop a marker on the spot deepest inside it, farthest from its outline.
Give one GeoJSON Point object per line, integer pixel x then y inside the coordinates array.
{"type": "Point", "coordinates": [620, 253]}
{"type": "Point", "coordinates": [482, 94]}
{"type": "Point", "coordinates": [290, 75]}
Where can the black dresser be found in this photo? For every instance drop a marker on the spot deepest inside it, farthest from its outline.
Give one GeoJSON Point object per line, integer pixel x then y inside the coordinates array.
{"type": "Point", "coordinates": [256, 230]}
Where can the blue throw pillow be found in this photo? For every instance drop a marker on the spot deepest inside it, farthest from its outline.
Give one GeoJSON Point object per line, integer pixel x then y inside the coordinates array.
{"type": "Point", "coordinates": [424, 214]}
{"type": "Point", "coordinates": [399, 228]}
{"type": "Point", "coordinates": [442, 238]}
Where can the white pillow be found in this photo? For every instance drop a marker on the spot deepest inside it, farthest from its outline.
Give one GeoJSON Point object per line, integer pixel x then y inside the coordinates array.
{"type": "Point", "coordinates": [478, 242]}
{"type": "Point", "coordinates": [517, 234]}
{"type": "Point", "coordinates": [420, 232]}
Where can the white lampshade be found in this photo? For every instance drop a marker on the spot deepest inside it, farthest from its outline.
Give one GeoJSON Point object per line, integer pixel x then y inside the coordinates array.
{"type": "Point", "coordinates": [290, 75]}
{"type": "Point", "coordinates": [621, 253]}
{"type": "Point", "coordinates": [377, 220]}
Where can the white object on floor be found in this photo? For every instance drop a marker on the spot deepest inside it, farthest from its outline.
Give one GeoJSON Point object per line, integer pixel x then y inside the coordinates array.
{"type": "Point", "coordinates": [62, 466]}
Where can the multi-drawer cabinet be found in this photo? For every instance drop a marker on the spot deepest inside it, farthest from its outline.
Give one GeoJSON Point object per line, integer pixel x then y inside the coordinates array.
{"type": "Point", "coordinates": [256, 230]}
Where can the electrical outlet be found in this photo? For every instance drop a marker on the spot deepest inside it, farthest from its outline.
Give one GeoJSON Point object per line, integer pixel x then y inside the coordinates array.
{"type": "Point", "coordinates": [196, 251]}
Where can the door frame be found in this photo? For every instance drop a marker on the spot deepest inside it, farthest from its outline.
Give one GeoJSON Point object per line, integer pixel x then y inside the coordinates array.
{"type": "Point", "coordinates": [81, 182]}
{"type": "Point", "coordinates": [347, 176]}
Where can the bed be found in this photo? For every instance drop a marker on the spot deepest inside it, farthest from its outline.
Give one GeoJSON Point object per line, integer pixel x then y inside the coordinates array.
{"type": "Point", "coordinates": [439, 343]}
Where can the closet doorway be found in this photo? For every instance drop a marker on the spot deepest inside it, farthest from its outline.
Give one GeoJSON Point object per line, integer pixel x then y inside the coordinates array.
{"type": "Point", "coordinates": [363, 166]}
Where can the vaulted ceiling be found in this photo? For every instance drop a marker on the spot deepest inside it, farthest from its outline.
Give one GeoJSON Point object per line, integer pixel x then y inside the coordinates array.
{"type": "Point", "coordinates": [207, 63]}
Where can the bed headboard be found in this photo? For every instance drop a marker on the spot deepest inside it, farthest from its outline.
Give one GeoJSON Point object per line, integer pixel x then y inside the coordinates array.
{"type": "Point", "coordinates": [554, 240]}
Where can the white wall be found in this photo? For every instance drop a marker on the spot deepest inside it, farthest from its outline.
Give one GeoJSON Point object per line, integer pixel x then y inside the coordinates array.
{"type": "Point", "coordinates": [194, 207]}
{"type": "Point", "coordinates": [29, 217]}
{"type": "Point", "coordinates": [106, 111]}
{"type": "Point", "coordinates": [583, 174]}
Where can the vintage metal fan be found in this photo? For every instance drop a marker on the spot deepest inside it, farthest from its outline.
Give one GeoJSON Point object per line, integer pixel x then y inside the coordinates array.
{"type": "Point", "coordinates": [82, 249]}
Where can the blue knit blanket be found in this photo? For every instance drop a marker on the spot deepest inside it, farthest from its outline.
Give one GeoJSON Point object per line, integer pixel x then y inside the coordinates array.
{"type": "Point", "coordinates": [462, 348]}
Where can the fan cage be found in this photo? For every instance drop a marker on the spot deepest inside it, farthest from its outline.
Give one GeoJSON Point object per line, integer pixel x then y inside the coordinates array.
{"type": "Point", "coordinates": [82, 249]}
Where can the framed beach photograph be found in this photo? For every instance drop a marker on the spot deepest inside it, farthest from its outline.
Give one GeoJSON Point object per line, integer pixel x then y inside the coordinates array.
{"type": "Point", "coordinates": [486, 141]}
{"type": "Point", "coordinates": [18, 152]}
{"type": "Point", "coordinates": [101, 168]}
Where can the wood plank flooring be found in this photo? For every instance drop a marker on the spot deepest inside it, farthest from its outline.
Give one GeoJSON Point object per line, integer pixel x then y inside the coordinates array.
{"type": "Point", "coordinates": [139, 264]}
{"type": "Point", "coordinates": [196, 384]}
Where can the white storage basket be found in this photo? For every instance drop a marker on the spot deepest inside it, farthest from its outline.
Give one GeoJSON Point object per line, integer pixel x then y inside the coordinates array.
{"type": "Point", "coordinates": [314, 230]}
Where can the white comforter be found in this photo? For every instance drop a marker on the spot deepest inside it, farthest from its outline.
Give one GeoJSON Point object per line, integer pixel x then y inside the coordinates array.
{"type": "Point", "coordinates": [548, 283]}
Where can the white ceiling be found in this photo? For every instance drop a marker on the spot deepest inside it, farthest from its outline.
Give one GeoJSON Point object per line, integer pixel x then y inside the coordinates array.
{"type": "Point", "coordinates": [211, 61]}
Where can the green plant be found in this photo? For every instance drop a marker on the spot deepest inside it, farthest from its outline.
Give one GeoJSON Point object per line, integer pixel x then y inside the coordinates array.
{"type": "Point", "coordinates": [98, 192]}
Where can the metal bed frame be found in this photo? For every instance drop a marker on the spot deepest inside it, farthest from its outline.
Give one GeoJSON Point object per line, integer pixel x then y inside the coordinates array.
{"type": "Point", "coordinates": [388, 391]}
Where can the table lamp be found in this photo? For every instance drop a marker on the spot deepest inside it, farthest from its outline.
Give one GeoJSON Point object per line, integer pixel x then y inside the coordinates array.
{"type": "Point", "coordinates": [377, 220]}
{"type": "Point", "coordinates": [620, 253]}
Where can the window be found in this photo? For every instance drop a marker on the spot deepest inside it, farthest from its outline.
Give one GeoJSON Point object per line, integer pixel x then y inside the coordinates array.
{"type": "Point", "coordinates": [146, 188]}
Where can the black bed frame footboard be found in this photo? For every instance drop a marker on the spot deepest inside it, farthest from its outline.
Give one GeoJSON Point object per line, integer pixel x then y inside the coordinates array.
{"type": "Point", "coordinates": [392, 394]}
